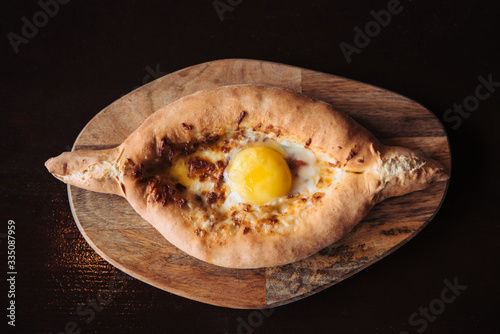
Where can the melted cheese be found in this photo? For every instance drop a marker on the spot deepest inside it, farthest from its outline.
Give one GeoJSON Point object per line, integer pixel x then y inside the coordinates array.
{"type": "Point", "coordinates": [216, 220]}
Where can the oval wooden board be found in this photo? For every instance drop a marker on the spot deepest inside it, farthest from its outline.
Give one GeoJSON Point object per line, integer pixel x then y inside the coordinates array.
{"type": "Point", "coordinates": [124, 239]}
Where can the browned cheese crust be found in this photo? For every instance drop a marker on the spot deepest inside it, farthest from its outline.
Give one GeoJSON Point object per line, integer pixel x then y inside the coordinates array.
{"type": "Point", "coordinates": [138, 170]}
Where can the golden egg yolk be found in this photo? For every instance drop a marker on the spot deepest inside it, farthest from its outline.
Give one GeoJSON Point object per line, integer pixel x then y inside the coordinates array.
{"type": "Point", "coordinates": [259, 174]}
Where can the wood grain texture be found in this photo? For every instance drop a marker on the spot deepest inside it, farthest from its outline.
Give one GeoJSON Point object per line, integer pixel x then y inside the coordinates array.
{"type": "Point", "coordinates": [128, 242]}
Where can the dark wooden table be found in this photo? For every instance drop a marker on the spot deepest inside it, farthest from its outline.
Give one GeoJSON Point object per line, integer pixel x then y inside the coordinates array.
{"type": "Point", "coordinates": [62, 62]}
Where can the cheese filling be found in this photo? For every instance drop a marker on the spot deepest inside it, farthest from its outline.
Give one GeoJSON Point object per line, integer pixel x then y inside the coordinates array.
{"type": "Point", "coordinates": [251, 182]}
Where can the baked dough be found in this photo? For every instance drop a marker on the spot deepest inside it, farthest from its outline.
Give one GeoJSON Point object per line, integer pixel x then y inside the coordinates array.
{"type": "Point", "coordinates": [356, 172]}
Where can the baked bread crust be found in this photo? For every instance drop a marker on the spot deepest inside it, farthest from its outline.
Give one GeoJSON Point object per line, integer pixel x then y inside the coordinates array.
{"type": "Point", "coordinates": [375, 171]}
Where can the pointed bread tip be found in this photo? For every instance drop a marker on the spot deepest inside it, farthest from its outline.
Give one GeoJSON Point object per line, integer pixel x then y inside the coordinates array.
{"type": "Point", "coordinates": [94, 170]}
{"type": "Point", "coordinates": [54, 167]}
{"type": "Point", "coordinates": [403, 171]}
